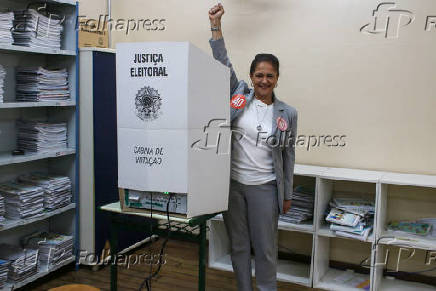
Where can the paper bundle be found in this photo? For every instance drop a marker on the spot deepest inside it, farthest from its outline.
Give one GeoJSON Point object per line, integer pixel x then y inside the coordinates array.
{"type": "Point", "coordinates": [301, 206]}
{"type": "Point", "coordinates": [39, 84]}
{"type": "Point", "coordinates": [57, 189]}
{"type": "Point", "coordinates": [4, 268]}
{"type": "Point", "coordinates": [2, 82]}
{"type": "Point", "coordinates": [22, 200]}
{"type": "Point", "coordinates": [6, 23]}
{"type": "Point", "coordinates": [36, 30]}
{"type": "Point", "coordinates": [2, 210]}
{"type": "Point", "coordinates": [54, 249]}
{"type": "Point", "coordinates": [23, 262]}
{"type": "Point", "coordinates": [37, 136]}
{"type": "Point", "coordinates": [351, 217]}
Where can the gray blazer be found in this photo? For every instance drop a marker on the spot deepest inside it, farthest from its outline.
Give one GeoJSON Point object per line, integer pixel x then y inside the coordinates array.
{"type": "Point", "coordinates": [283, 154]}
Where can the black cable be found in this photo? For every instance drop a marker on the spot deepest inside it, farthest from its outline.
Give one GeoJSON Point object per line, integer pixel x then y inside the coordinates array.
{"type": "Point", "coordinates": [147, 281]}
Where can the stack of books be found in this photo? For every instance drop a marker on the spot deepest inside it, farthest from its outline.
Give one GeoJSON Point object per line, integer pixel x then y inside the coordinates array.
{"type": "Point", "coordinates": [2, 82]}
{"type": "Point", "coordinates": [22, 200]}
{"type": "Point", "coordinates": [4, 268]}
{"type": "Point", "coordinates": [301, 210]}
{"type": "Point", "coordinates": [351, 217]}
{"type": "Point", "coordinates": [39, 84]}
{"type": "Point", "coordinates": [6, 23]}
{"type": "Point", "coordinates": [37, 136]}
{"type": "Point", "coordinates": [54, 249]}
{"type": "Point", "coordinates": [23, 263]}
{"type": "Point", "coordinates": [57, 189]}
{"type": "Point", "coordinates": [35, 30]}
{"type": "Point", "coordinates": [2, 210]}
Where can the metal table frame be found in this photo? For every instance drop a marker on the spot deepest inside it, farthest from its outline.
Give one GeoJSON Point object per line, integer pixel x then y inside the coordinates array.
{"type": "Point", "coordinates": [115, 211]}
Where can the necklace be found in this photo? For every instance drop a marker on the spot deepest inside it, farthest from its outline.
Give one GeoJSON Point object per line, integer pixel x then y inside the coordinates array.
{"type": "Point", "coordinates": [259, 126]}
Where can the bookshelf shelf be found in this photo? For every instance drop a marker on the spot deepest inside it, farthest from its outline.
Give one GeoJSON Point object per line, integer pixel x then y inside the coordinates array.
{"type": "Point", "coordinates": [6, 158]}
{"type": "Point", "coordinates": [9, 224]}
{"type": "Point", "coordinates": [396, 196]}
{"type": "Point", "coordinates": [41, 273]}
{"type": "Point", "coordinates": [6, 105]}
{"type": "Point", "coordinates": [23, 49]}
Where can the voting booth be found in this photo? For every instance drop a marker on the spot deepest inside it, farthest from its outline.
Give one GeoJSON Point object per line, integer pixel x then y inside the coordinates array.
{"type": "Point", "coordinates": [173, 124]}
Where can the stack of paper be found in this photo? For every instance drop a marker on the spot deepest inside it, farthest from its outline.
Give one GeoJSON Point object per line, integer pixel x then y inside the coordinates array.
{"type": "Point", "coordinates": [35, 30]}
{"type": "Point", "coordinates": [54, 249]}
{"type": "Point", "coordinates": [22, 200]}
{"type": "Point", "coordinates": [39, 84]}
{"type": "Point", "coordinates": [6, 23]}
{"type": "Point", "coordinates": [353, 280]}
{"type": "Point", "coordinates": [37, 136]}
{"type": "Point", "coordinates": [351, 217]}
{"type": "Point", "coordinates": [2, 210]}
{"type": "Point", "coordinates": [57, 189]}
{"type": "Point", "coordinates": [2, 82]}
{"type": "Point", "coordinates": [301, 206]}
{"type": "Point", "coordinates": [4, 268]}
{"type": "Point", "coordinates": [23, 262]}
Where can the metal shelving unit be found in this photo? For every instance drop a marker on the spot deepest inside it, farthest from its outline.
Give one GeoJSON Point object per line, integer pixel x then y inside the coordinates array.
{"type": "Point", "coordinates": [62, 161]}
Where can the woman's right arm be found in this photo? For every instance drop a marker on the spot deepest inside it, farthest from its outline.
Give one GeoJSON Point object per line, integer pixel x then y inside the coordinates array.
{"type": "Point", "coordinates": [219, 50]}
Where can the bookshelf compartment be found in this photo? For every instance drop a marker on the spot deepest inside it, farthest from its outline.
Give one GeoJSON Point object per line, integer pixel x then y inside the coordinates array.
{"type": "Point", "coordinates": [341, 264]}
{"type": "Point", "coordinates": [327, 189]}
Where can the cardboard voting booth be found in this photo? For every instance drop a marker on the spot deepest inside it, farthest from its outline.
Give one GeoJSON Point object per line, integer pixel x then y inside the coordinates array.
{"type": "Point", "coordinates": [173, 123]}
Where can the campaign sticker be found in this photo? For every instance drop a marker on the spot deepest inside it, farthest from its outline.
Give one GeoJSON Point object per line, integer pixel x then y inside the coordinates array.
{"type": "Point", "coordinates": [282, 124]}
{"type": "Point", "coordinates": [238, 101]}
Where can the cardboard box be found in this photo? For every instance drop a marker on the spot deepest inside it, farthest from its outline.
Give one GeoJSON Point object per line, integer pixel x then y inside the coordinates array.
{"type": "Point", "coordinates": [92, 36]}
{"type": "Point", "coordinates": [173, 123]}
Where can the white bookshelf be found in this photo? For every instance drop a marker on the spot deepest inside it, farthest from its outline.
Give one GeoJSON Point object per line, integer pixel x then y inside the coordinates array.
{"type": "Point", "coordinates": [396, 196]}
{"type": "Point", "coordinates": [409, 197]}
{"type": "Point", "coordinates": [61, 161]}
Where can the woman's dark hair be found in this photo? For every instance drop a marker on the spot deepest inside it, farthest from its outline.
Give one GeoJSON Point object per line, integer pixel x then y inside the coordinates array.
{"type": "Point", "coordinates": [270, 58]}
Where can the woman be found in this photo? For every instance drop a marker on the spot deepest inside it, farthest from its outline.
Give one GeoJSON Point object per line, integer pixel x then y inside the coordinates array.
{"type": "Point", "coordinates": [262, 168]}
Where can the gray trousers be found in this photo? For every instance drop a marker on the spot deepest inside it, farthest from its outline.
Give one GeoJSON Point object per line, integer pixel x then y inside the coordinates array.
{"type": "Point", "coordinates": [251, 221]}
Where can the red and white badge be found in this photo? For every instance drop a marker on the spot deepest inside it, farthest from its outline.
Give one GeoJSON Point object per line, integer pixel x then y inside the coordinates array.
{"type": "Point", "coordinates": [282, 124]}
{"type": "Point", "coordinates": [238, 101]}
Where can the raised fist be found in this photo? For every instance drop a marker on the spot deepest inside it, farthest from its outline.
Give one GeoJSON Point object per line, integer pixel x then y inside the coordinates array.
{"type": "Point", "coordinates": [216, 12]}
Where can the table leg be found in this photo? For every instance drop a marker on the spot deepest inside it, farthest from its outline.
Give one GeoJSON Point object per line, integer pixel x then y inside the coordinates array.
{"type": "Point", "coordinates": [114, 247]}
{"type": "Point", "coordinates": [202, 258]}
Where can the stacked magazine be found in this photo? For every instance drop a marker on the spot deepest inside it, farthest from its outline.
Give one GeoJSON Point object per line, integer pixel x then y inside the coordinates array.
{"type": "Point", "coordinates": [301, 207]}
{"type": "Point", "coordinates": [2, 210]}
{"type": "Point", "coordinates": [422, 227]}
{"type": "Point", "coordinates": [4, 268]}
{"type": "Point", "coordinates": [351, 217]}
{"type": "Point", "coordinates": [6, 23]}
{"type": "Point", "coordinates": [22, 200]}
{"type": "Point", "coordinates": [2, 82]}
{"type": "Point", "coordinates": [23, 262]}
{"type": "Point", "coordinates": [39, 84]}
{"type": "Point", "coordinates": [57, 189]}
{"type": "Point", "coordinates": [37, 136]}
{"type": "Point", "coordinates": [54, 249]}
{"type": "Point", "coordinates": [35, 30]}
